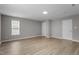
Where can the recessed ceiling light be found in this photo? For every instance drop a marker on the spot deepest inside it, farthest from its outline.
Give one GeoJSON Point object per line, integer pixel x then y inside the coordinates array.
{"type": "Point", "coordinates": [45, 12]}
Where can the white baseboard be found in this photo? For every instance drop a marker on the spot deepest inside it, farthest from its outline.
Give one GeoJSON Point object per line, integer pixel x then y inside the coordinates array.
{"type": "Point", "coordinates": [20, 38]}
{"type": "Point", "coordinates": [37, 36]}
{"type": "Point", "coordinates": [57, 37]}
{"type": "Point", "coordinates": [75, 40]}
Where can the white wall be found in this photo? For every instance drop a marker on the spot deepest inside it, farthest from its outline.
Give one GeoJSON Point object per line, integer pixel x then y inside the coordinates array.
{"type": "Point", "coordinates": [57, 27]}
{"type": "Point", "coordinates": [32, 28]}
{"type": "Point", "coordinates": [28, 28]}
{"type": "Point", "coordinates": [75, 25]}
{"type": "Point", "coordinates": [0, 29]}
{"type": "Point", "coordinates": [54, 28]}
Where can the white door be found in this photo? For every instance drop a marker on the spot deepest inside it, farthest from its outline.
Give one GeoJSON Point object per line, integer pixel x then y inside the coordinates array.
{"type": "Point", "coordinates": [67, 29]}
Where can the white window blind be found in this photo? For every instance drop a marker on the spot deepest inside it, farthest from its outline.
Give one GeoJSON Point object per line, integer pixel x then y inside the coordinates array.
{"type": "Point", "coordinates": [15, 27]}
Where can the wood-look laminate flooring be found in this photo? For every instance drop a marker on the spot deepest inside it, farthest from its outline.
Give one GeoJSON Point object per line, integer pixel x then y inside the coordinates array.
{"type": "Point", "coordinates": [40, 46]}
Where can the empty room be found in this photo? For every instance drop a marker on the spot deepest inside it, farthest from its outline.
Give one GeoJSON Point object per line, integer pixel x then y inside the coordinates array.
{"type": "Point", "coordinates": [39, 29]}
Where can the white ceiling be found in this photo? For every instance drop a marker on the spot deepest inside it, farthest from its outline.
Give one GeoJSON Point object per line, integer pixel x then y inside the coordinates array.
{"type": "Point", "coordinates": [34, 11]}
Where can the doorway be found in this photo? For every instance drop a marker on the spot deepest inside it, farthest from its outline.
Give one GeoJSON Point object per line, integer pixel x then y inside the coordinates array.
{"type": "Point", "coordinates": [67, 29]}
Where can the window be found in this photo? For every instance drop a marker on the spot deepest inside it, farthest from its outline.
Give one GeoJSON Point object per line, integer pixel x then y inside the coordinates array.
{"type": "Point", "coordinates": [15, 27]}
